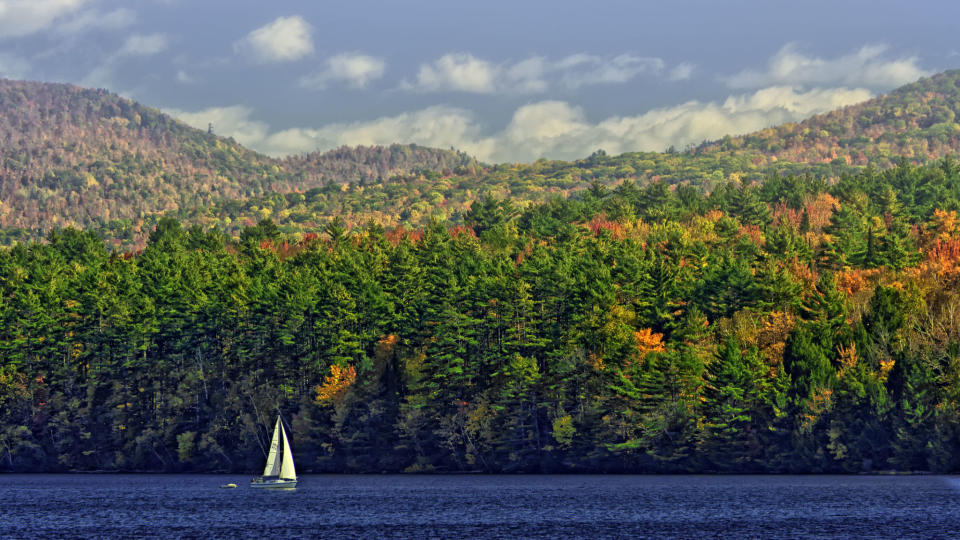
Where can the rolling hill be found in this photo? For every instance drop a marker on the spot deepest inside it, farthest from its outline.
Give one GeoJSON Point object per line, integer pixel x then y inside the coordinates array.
{"type": "Point", "coordinates": [78, 157]}
{"type": "Point", "coordinates": [74, 156]}
{"type": "Point", "coordinates": [916, 121]}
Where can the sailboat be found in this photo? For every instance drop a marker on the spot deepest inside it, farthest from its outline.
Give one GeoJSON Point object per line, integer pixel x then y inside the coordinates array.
{"type": "Point", "coordinates": [279, 472]}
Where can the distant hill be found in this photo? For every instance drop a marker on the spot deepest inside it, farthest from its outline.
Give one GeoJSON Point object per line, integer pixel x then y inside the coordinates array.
{"type": "Point", "coordinates": [71, 156]}
{"type": "Point", "coordinates": [370, 164]}
{"type": "Point", "coordinates": [74, 156]}
{"type": "Point", "coordinates": [916, 121]}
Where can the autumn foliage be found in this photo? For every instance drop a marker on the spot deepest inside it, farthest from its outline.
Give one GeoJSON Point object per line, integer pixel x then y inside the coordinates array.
{"type": "Point", "coordinates": [721, 318]}
{"type": "Point", "coordinates": [336, 385]}
{"type": "Point", "coordinates": [648, 341]}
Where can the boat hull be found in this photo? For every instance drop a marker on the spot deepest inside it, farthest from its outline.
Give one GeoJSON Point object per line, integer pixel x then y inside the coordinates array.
{"type": "Point", "coordinates": [274, 484]}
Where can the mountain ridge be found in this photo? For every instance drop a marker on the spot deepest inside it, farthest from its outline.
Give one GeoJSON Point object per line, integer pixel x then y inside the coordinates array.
{"type": "Point", "coordinates": [81, 157]}
{"type": "Point", "coordinates": [925, 109]}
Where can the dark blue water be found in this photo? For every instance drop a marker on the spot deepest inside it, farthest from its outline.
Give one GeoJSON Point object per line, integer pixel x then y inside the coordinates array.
{"type": "Point", "coordinates": [137, 506]}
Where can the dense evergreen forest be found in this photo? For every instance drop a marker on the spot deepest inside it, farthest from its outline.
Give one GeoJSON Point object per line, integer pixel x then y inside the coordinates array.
{"type": "Point", "coordinates": [792, 325]}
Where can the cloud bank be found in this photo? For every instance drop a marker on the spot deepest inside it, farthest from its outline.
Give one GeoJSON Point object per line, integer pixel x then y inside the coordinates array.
{"type": "Point", "coordinates": [550, 128]}
{"type": "Point", "coordinates": [866, 67]}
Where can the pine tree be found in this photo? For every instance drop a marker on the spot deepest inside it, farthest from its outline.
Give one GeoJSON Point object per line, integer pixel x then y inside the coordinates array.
{"type": "Point", "coordinates": [732, 398]}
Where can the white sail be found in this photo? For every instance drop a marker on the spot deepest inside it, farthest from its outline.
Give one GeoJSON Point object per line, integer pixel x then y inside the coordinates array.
{"type": "Point", "coordinates": [273, 467]}
{"type": "Point", "coordinates": [286, 470]}
{"type": "Point", "coordinates": [279, 472]}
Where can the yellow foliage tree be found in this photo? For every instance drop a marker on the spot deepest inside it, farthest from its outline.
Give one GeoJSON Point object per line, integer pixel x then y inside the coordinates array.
{"type": "Point", "coordinates": [335, 385]}
{"type": "Point", "coordinates": [945, 223]}
{"type": "Point", "coordinates": [848, 358]}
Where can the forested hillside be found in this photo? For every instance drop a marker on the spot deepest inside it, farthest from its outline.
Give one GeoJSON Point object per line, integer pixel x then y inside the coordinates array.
{"type": "Point", "coordinates": [76, 156]}
{"type": "Point", "coordinates": [782, 301]}
{"type": "Point", "coordinates": [89, 158]}
{"type": "Point", "coordinates": [373, 164]}
{"type": "Point", "coordinates": [794, 325]}
{"type": "Point", "coordinates": [71, 156]}
{"type": "Point", "coordinates": [916, 122]}
{"type": "Point", "coordinates": [412, 200]}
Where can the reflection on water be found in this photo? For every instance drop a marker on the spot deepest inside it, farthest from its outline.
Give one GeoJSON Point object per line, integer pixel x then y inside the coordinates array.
{"type": "Point", "coordinates": [124, 506]}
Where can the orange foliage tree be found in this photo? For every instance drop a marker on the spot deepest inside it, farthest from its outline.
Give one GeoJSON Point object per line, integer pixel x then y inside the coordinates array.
{"type": "Point", "coordinates": [335, 385]}
{"type": "Point", "coordinates": [648, 341]}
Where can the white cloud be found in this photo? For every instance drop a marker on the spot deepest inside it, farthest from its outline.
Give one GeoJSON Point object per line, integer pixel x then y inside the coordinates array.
{"type": "Point", "coordinates": [25, 17]}
{"type": "Point", "coordinates": [582, 69]}
{"type": "Point", "coordinates": [435, 126]}
{"type": "Point", "coordinates": [553, 129]}
{"type": "Point", "coordinates": [867, 67]}
{"type": "Point", "coordinates": [463, 72]}
{"type": "Point", "coordinates": [13, 67]}
{"type": "Point", "coordinates": [354, 69]}
{"type": "Point", "coordinates": [460, 72]}
{"type": "Point", "coordinates": [95, 20]}
{"type": "Point", "coordinates": [144, 45]}
{"type": "Point", "coordinates": [681, 72]}
{"type": "Point", "coordinates": [694, 122]}
{"type": "Point", "coordinates": [283, 40]}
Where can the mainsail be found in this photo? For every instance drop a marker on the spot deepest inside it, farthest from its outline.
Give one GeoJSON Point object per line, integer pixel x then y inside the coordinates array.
{"type": "Point", "coordinates": [273, 466]}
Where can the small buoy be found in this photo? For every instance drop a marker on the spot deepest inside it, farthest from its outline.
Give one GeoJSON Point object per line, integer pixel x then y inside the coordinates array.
{"type": "Point", "coordinates": [225, 486]}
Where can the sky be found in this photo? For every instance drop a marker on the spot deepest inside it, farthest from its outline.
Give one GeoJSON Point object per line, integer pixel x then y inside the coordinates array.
{"type": "Point", "coordinates": [505, 81]}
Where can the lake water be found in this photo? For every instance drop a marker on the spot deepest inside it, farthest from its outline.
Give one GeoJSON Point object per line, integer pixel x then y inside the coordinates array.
{"type": "Point", "coordinates": [330, 506]}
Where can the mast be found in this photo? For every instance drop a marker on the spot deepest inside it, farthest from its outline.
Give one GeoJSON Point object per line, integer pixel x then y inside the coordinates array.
{"type": "Point", "coordinates": [287, 470]}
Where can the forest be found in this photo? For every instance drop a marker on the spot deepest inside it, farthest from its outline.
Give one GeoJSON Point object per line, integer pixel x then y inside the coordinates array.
{"type": "Point", "coordinates": [790, 325]}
